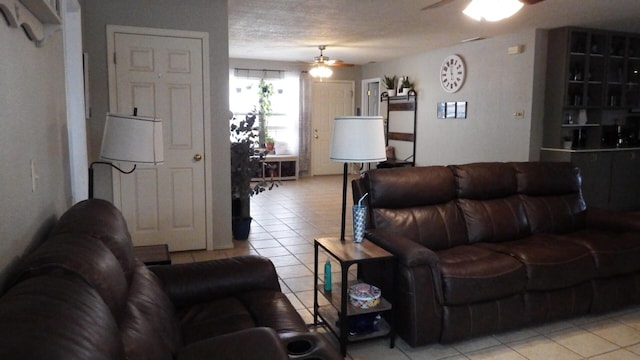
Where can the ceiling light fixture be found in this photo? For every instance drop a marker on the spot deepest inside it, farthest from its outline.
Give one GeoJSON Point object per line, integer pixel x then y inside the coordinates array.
{"type": "Point", "coordinates": [321, 71]}
{"type": "Point", "coordinates": [492, 10]}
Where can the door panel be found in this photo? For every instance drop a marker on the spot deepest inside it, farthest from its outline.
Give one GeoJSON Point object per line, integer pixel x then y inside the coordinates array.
{"type": "Point", "coordinates": [162, 77]}
{"type": "Point", "coordinates": [329, 99]}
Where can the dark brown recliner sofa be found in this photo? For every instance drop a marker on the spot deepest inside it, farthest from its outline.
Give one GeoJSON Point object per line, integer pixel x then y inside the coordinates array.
{"type": "Point", "coordinates": [487, 247]}
{"type": "Point", "coordinates": [82, 295]}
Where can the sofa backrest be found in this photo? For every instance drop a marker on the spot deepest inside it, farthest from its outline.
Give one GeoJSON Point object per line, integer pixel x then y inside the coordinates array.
{"type": "Point", "coordinates": [418, 203]}
{"type": "Point", "coordinates": [441, 207]}
{"type": "Point", "coordinates": [102, 221]}
{"type": "Point", "coordinates": [488, 198]}
{"type": "Point", "coordinates": [551, 195]}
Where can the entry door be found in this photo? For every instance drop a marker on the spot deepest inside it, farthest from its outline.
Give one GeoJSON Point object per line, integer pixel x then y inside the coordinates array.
{"type": "Point", "coordinates": [162, 76]}
{"type": "Point", "coordinates": [328, 100]}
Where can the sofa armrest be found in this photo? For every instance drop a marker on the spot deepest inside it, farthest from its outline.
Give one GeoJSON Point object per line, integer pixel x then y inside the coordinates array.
{"type": "Point", "coordinates": [255, 343]}
{"type": "Point", "coordinates": [612, 220]}
{"type": "Point", "coordinates": [193, 283]}
{"type": "Point", "coordinates": [408, 253]}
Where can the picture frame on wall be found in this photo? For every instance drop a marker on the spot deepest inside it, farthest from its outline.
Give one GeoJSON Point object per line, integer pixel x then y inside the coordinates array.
{"type": "Point", "coordinates": [451, 110]}
{"type": "Point", "coordinates": [442, 110]}
{"type": "Point", "coordinates": [461, 110]}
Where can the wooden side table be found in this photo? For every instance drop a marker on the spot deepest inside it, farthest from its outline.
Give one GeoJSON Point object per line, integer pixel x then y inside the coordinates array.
{"type": "Point", "coordinates": [153, 254]}
{"type": "Point", "coordinates": [336, 314]}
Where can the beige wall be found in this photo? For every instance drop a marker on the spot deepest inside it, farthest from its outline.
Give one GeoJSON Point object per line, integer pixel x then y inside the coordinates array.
{"type": "Point", "coordinates": [32, 127]}
{"type": "Point", "coordinates": [192, 15]}
{"type": "Point", "coordinates": [497, 84]}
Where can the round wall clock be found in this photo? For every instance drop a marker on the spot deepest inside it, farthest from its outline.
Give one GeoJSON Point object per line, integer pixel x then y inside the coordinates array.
{"type": "Point", "coordinates": [452, 73]}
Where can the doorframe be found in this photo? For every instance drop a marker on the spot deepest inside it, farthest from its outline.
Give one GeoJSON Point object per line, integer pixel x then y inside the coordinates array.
{"type": "Point", "coordinates": [206, 103]}
{"type": "Point", "coordinates": [75, 99]}
{"type": "Point", "coordinates": [353, 109]}
{"type": "Point", "coordinates": [364, 104]}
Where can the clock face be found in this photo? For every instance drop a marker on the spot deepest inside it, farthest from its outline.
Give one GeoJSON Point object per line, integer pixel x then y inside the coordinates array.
{"type": "Point", "coordinates": [452, 73]}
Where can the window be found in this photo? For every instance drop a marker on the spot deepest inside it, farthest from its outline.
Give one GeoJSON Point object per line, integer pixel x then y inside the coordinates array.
{"type": "Point", "coordinates": [283, 124]}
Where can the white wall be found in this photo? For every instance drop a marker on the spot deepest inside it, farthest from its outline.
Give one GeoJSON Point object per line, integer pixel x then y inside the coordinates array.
{"type": "Point", "coordinates": [32, 127]}
{"type": "Point", "coordinates": [497, 84]}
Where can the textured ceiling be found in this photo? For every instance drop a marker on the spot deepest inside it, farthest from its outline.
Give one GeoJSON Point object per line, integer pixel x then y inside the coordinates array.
{"type": "Point", "coordinates": [363, 31]}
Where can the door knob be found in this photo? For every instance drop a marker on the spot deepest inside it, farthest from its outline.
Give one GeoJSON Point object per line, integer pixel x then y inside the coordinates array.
{"type": "Point", "coordinates": [197, 157]}
{"type": "Point", "coordinates": [315, 136]}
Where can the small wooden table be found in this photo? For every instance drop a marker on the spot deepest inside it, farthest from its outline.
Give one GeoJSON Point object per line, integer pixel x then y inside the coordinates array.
{"type": "Point", "coordinates": [348, 253]}
{"type": "Point", "coordinates": [153, 254]}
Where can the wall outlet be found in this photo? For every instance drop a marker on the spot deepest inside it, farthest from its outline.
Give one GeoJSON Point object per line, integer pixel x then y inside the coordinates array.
{"type": "Point", "coordinates": [518, 114]}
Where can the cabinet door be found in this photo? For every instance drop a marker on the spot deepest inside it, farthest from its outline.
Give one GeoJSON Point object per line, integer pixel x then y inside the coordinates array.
{"type": "Point", "coordinates": [625, 181]}
{"type": "Point", "coordinates": [596, 180]}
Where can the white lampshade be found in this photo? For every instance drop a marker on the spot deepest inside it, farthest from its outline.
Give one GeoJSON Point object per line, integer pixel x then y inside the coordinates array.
{"type": "Point", "coordinates": [358, 139]}
{"type": "Point", "coordinates": [132, 139]}
{"type": "Point", "coordinates": [492, 10]}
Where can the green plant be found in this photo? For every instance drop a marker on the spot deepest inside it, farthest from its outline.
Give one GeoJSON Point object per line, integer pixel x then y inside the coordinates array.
{"type": "Point", "coordinates": [390, 82]}
{"type": "Point", "coordinates": [246, 162]}
{"type": "Point", "coordinates": [406, 83]}
{"type": "Point", "coordinates": [265, 91]}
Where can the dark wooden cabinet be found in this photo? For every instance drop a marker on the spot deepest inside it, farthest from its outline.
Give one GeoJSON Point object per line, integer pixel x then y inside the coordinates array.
{"type": "Point", "coordinates": [597, 73]}
{"type": "Point", "coordinates": [625, 181]}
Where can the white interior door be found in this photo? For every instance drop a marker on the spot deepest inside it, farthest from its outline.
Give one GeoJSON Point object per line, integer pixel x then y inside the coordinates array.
{"type": "Point", "coordinates": [328, 100]}
{"type": "Point", "coordinates": [162, 76]}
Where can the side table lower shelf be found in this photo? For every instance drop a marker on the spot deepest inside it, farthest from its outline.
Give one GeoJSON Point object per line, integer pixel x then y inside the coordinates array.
{"type": "Point", "coordinates": [330, 316]}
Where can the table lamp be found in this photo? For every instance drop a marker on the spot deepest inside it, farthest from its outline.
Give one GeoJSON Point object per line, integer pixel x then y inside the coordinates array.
{"type": "Point", "coordinates": [133, 139]}
{"type": "Point", "coordinates": [356, 139]}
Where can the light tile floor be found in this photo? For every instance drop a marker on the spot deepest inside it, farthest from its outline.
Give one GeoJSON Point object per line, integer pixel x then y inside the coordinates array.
{"type": "Point", "coordinates": [288, 218]}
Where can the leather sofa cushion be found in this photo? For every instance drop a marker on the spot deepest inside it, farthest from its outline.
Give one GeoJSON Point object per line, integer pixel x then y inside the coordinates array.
{"type": "Point", "coordinates": [249, 344]}
{"type": "Point", "coordinates": [473, 274]}
{"type": "Point", "coordinates": [555, 214]}
{"type": "Point", "coordinates": [249, 309]}
{"type": "Point", "coordinates": [87, 258]}
{"type": "Point", "coordinates": [482, 181]}
{"type": "Point", "coordinates": [408, 187]}
{"type": "Point", "coordinates": [149, 327]}
{"type": "Point", "coordinates": [551, 195]}
{"type": "Point", "coordinates": [213, 318]}
{"type": "Point", "coordinates": [614, 253]}
{"type": "Point", "coordinates": [549, 262]}
{"type": "Point", "coordinates": [436, 227]}
{"type": "Point", "coordinates": [57, 317]}
{"type": "Point", "coordinates": [273, 309]}
{"type": "Point", "coordinates": [494, 220]}
{"type": "Point", "coordinates": [101, 220]}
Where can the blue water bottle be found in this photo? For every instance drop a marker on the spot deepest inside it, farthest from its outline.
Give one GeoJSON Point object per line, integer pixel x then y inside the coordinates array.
{"type": "Point", "coordinates": [327, 275]}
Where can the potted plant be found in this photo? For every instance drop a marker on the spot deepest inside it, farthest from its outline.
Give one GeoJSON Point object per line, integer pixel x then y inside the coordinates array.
{"type": "Point", "coordinates": [246, 164]}
{"type": "Point", "coordinates": [390, 84]}
{"type": "Point", "coordinates": [405, 86]}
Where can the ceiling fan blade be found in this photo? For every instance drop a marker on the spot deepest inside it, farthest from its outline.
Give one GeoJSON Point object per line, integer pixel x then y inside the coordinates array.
{"type": "Point", "coordinates": [338, 63]}
{"type": "Point", "coordinates": [531, 2]}
{"type": "Point", "coordinates": [436, 4]}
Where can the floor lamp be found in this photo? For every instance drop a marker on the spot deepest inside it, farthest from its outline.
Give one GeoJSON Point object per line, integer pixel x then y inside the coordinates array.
{"type": "Point", "coordinates": [356, 139]}
{"type": "Point", "coordinates": [133, 139]}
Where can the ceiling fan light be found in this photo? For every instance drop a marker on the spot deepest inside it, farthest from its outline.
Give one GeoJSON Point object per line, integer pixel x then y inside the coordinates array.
{"type": "Point", "coordinates": [321, 71]}
{"type": "Point", "coordinates": [492, 10]}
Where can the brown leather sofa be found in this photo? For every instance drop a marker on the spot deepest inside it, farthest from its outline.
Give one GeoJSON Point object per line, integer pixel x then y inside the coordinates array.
{"type": "Point", "coordinates": [82, 295]}
{"type": "Point", "coordinates": [487, 247]}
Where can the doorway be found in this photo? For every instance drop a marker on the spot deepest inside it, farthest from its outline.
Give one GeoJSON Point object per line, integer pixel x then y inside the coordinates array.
{"type": "Point", "coordinates": [328, 100]}
{"type": "Point", "coordinates": [161, 73]}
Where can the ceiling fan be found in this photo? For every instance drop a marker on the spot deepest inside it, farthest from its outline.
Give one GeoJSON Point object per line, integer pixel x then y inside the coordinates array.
{"type": "Point", "coordinates": [440, 3]}
{"type": "Point", "coordinates": [324, 60]}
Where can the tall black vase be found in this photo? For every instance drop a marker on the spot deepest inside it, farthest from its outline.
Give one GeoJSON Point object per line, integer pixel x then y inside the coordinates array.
{"type": "Point", "coordinates": [241, 226]}
{"type": "Point", "coordinates": [240, 221]}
